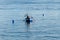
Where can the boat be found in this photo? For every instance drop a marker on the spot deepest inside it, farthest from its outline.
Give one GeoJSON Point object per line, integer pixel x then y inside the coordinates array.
{"type": "Point", "coordinates": [28, 20]}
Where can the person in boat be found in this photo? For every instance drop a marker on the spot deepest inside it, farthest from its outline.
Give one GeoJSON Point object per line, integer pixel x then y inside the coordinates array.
{"type": "Point", "coordinates": [28, 19]}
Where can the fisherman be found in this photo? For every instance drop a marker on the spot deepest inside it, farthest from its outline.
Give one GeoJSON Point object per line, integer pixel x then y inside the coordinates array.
{"type": "Point", "coordinates": [28, 19]}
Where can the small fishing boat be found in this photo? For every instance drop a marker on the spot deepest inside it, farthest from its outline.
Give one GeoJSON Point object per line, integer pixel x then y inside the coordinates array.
{"type": "Point", "coordinates": [29, 20]}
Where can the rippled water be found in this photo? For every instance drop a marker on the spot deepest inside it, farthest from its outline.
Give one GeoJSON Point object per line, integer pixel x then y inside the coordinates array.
{"type": "Point", "coordinates": [45, 27]}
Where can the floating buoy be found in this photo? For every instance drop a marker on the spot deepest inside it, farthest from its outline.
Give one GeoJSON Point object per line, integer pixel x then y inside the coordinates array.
{"type": "Point", "coordinates": [42, 14]}
{"type": "Point", "coordinates": [12, 21]}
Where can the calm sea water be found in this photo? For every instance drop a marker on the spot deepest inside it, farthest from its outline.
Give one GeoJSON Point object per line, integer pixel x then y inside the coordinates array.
{"type": "Point", "coordinates": [45, 27]}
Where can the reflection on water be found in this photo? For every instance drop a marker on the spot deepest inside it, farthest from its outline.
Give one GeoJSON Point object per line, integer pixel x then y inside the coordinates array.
{"type": "Point", "coordinates": [27, 26]}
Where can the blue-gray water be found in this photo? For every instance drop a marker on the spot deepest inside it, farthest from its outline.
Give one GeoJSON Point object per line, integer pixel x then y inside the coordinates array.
{"type": "Point", "coordinates": [45, 27]}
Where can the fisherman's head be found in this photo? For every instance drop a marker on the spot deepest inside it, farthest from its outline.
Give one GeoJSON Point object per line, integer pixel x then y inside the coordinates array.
{"type": "Point", "coordinates": [28, 16]}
